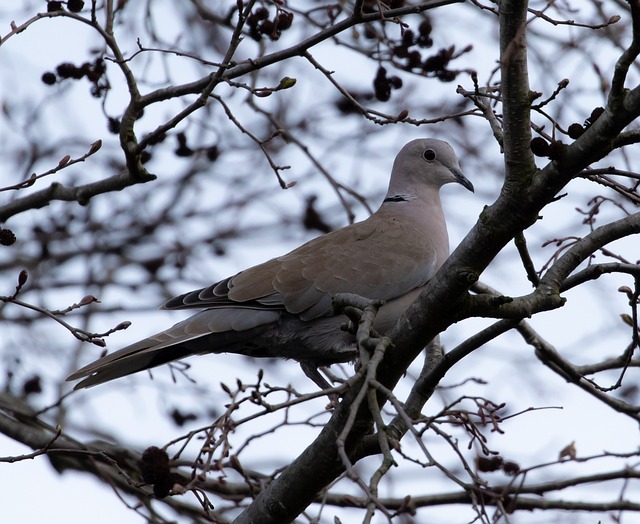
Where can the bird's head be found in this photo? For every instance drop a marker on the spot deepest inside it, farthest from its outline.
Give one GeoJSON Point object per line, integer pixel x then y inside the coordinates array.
{"type": "Point", "coordinates": [426, 161]}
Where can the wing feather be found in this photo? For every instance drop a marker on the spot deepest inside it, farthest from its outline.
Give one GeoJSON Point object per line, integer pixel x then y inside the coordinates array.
{"type": "Point", "coordinates": [359, 259]}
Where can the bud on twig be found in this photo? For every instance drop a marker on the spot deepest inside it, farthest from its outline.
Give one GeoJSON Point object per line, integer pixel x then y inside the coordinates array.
{"type": "Point", "coordinates": [286, 83]}
{"type": "Point", "coordinates": [22, 278]}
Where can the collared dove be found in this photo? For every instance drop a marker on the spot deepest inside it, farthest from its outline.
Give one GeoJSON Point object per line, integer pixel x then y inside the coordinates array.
{"type": "Point", "coordinates": [282, 308]}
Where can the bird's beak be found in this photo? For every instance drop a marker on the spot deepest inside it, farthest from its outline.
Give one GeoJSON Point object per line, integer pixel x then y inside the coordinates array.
{"type": "Point", "coordinates": [463, 180]}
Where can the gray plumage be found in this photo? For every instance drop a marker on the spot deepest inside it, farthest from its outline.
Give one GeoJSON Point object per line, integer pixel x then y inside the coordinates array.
{"type": "Point", "coordinates": [282, 308]}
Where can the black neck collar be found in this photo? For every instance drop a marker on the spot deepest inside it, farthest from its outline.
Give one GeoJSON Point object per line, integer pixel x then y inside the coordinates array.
{"type": "Point", "coordinates": [396, 198]}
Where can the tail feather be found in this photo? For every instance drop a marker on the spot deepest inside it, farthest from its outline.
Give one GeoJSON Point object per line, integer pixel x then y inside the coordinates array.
{"type": "Point", "coordinates": [100, 372]}
{"type": "Point", "coordinates": [173, 344]}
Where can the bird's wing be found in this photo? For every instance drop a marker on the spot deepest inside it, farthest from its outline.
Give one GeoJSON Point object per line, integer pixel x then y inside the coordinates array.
{"type": "Point", "coordinates": [382, 257]}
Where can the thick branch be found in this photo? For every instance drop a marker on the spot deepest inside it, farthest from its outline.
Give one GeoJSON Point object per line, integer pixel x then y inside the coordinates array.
{"type": "Point", "coordinates": [555, 278]}
{"type": "Point", "coordinates": [79, 194]}
{"type": "Point", "coordinates": [617, 94]}
{"type": "Point", "coordinates": [516, 96]}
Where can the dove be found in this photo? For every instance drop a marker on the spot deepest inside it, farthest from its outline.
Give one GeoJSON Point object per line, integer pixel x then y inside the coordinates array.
{"type": "Point", "coordinates": [283, 307]}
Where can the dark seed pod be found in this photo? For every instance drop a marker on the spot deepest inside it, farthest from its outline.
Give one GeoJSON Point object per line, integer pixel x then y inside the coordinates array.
{"type": "Point", "coordinates": [75, 6]}
{"type": "Point", "coordinates": [52, 7]}
{"type": "Point", "coordinates": [489, 464]}
{"type": "Point", "coordinates": [413, 60]}
{"type": "Point", "coordinates": [576, 131]}
{"type": "Point", "coordinates": [213, 152]}
{"type": "Point", "coordinates": [445, 75]}
{"type": "Point", "coordinates": [68, 70]}
{"type": "Point", "coordinates": [48, 78]}
{"type": "Point", "coordinates": [434, 63]}
{"type": "Point", "coordinates": [7, 237]}
{"type": "Point", "coordinates": [183, 151]}
{"type": "Point", "coordinates": [556, 150]}
{"type": "Point", "coordinates": [408, 38]}
{"type": "Point", "coordinates": [370, 32]}
{"type": "Point", "coordinates": [595, 114]}
{"type": "Point", "coordinates": [400, 51]}
{"type": "Point", "coordinates": [32, 386]}
{"type": "Point", "coordinates": [539, 146]}
{"type": "Point", "coordinates": [266, 27]}
{"type": "Point", "coordinates": [284, 20]}
{"type": "Point", "coordinates": [262, 13]}
{"type": "Point", "coordinates": [113, 125]}
{"type": "Point", "coordinates": [154, 468]}
{"type": "Point", "coordinates": [154, 464]}
{"type": "Point", "coordinates": [99, 66]}
{"type": "Point", "coordinates": [396, 82]}
{"type": "Point", "coordinates": [425, 28]}
{"type": "Point", "coordinates": [381, 85]}
{"type": "Point", "coordinates": [511, 468]}
{"type": "Point", "coordinates": [424, 41]}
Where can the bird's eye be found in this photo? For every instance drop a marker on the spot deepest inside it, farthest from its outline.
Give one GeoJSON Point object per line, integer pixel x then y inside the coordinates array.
{"type": "Point", "coordinates": [429, 154]}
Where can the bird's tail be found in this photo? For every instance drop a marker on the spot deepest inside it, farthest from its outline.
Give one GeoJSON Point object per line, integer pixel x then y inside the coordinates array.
{"type": "Point", "coordinates": [170, 345]}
